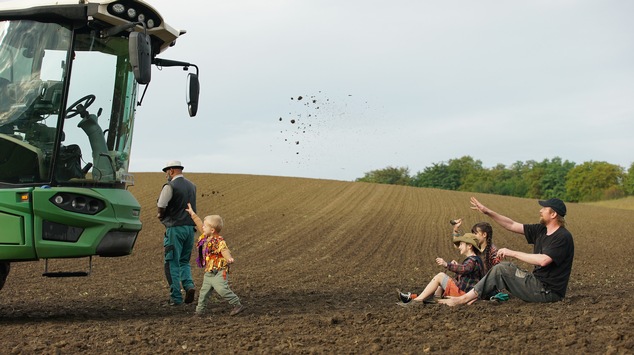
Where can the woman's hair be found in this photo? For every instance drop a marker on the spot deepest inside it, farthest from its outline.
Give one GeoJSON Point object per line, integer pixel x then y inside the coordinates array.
{"type": "Point", "coordinates": [214, 222]}
{"type": "Point", "coordinates": [485, 227]}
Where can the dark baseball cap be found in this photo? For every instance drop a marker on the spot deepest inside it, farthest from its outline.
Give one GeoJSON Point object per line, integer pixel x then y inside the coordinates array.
{"type": "Point", "coordinates": [556, 204]}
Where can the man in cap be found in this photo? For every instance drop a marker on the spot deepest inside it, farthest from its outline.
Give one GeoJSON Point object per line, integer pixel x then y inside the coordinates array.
{"type": "Point", "coordinates": [179, 233]}
{"type": "Point", "coordinates": [553, 253]}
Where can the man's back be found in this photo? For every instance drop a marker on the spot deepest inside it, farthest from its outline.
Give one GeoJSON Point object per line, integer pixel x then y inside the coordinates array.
{"type": "Point", "coordinates": [183, 192]}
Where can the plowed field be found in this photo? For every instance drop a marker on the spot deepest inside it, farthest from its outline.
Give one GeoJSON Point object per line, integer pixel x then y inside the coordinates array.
{"type": "Point", "coordinates": [317, 265]}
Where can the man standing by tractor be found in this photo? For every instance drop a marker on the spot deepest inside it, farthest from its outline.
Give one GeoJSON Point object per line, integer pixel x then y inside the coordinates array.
{"type": "Point", "coordinates": [179, 233]}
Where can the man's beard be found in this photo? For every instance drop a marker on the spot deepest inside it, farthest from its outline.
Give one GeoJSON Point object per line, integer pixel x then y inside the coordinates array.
{"type": "Point", "coordinates": [542, 221]}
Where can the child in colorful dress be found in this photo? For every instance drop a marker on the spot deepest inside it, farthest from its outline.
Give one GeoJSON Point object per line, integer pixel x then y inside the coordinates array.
{"type": "Point", "coordinates": [214, 256]}
{"type": "Point", "coordinates": [467, 274]}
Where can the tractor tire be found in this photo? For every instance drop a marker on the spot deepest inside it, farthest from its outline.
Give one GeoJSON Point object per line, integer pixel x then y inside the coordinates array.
{"type": "Point", "coordinates": [5, 267]}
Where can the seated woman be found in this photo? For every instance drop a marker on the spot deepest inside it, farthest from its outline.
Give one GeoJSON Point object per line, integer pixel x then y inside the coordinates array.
{"type": "Point", "coordinates": [468, 273]}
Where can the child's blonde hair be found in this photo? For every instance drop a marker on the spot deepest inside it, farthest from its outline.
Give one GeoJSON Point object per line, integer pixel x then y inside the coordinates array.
{"type": "Point", "coordinates": [215, 222]}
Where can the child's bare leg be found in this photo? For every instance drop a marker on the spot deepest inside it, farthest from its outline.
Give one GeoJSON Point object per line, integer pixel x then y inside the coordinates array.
{"type": "Point", "coordinates": [439, 292]}
{"type": "Point", "coordinates": [431, 288]}
{"type": "Point", "coordinates": [456, 301]}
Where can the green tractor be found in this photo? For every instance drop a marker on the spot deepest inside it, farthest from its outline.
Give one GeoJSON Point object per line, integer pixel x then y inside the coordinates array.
{"type": "Point", "coordinates": [69, 78]}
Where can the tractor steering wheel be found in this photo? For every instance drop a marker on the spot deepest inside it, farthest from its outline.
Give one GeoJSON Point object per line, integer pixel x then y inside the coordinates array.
{"type": "Point", "coordinates": [73, 111]}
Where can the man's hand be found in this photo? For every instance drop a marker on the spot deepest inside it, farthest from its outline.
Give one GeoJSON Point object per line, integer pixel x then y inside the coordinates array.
{"type": "Point", "coordinates": [476, 205]}
{"type": "Point", "coordinates": [504, 252]}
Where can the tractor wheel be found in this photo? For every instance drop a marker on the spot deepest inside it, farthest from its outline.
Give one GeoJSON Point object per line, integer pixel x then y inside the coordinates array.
{"type": "Point", "coordinates": [5, 267]}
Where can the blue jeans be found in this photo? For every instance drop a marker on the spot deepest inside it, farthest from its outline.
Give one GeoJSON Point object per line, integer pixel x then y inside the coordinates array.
{"type": "Point", "coordinates": [178, 244]}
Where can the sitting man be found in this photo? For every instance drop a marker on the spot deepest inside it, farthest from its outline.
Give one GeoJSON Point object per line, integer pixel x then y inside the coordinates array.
{"type": "Point", "coordinates": [553, 253]}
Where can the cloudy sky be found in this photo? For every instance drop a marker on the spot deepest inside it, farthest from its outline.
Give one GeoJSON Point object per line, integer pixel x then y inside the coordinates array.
{"type": "Point", "coordinates": [334, 89]}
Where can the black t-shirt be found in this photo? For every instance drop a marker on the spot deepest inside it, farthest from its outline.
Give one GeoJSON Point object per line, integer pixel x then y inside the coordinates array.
{"type": "Point", "coordinates": [560, 247]}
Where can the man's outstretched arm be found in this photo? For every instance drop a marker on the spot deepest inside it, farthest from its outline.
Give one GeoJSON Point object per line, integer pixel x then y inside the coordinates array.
{"type": "Point", "coordinates": [533, 259]}
{"type": "Point", "coordinates": [503, 221]}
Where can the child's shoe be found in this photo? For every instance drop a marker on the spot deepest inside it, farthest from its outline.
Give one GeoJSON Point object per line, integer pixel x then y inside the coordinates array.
{"type": "Point", "coordinates": [404, 297]}
{"type": "Point", "coordinates": [237, 309]}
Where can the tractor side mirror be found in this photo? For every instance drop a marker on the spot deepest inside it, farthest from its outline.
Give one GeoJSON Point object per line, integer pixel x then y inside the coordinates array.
{"type": "Point", "coordinates": [193, 94]}
{"type": "Point", "coordinates": [140, 52]}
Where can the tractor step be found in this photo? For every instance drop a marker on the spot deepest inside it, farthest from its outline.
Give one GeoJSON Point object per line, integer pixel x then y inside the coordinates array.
{"type": "Point", "coordinates": [67, 273]}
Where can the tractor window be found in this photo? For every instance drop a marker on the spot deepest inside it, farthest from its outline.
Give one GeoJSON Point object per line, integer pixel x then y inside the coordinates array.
{"type": "Point", "coordinates": [88, 139]}
{"type": "Point", "coordinates": [30, 98]}
{"type": "Point", "coordinates": [100, 108]}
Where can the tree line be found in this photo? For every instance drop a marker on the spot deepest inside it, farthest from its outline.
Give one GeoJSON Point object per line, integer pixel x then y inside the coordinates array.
{"type": "Point", "coordinates": [589, 181]}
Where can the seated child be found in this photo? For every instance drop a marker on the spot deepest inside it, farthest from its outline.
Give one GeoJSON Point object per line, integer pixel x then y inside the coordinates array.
{"type": "Point", "coordinates": [467, 274]}
{"type": "Point", "coordinates": [214, 256]}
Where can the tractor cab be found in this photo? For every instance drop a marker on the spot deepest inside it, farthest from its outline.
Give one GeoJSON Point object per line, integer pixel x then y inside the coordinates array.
{"type": "Point", "coordinates": [70, 73]}
{"type": "Point", "coordinates": [67, 101]}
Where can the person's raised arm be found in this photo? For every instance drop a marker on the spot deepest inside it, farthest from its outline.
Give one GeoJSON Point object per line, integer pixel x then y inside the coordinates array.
{"type": "Point", "coordinates": [456, 223]}
{"type": "Point", "coordinates": [503, 221]}
{"type": "Point", "coordinates": [195, 218]}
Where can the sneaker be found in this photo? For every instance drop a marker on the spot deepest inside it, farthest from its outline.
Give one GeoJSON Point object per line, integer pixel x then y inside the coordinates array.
{"type": "Point", "coordinates": [500, 297]}
{"type": "Point", "coordinates": [237, 309]}
{"type": "Point", "coordinates": [173, 303]}
{"type": "Point", "coordinates": [404, 297]}
{"type": "Point", "coordinates": [189, 295]}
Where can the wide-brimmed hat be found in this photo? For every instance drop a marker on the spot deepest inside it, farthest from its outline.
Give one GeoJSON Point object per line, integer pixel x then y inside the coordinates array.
{"type": "Point", "coordinates": [556, 204]}
{"type": "Point", "coordinates": [468, 238]}
{"type": "Point", "coordinates": [176, 164]}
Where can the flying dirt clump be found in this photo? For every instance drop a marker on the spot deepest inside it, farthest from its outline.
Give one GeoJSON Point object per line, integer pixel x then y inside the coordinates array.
{"type": "Point", "coordinates": [302, 118]}
{"type": "Point", "coordinates": [311, 116]}
{"type": "Point", "coordinates": [212, 193]}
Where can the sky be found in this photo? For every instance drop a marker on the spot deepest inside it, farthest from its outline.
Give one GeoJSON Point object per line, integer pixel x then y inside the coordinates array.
{"type": "Point", "coordinates": [334, 89]}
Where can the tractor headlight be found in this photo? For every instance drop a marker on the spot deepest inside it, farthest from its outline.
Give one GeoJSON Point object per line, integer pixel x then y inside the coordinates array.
{"type": "Point", "coordinates": [118, 8]}
{"type": "Point", "coordinates": [78, 203]}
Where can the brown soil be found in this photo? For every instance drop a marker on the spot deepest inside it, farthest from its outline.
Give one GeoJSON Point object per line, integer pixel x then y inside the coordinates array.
{"type": "Point", "coordinates": [317, 264]}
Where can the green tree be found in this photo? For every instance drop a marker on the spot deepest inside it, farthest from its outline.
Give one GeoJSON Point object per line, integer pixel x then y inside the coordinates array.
{"type": "Point", "coordinates": [545, 179]}
{"type": "Point", "coordinates": [438, 176]}
{"type": "Point", "coordinates": [479, 180]}
{"type": "Point", "coordinates": [629, 181]}
{"type": "Point", "coordinates": [593, 181]}
{"type": "Point", "coordinates": [533, 174]}
{"type": "Point", "coordinates": [449, 176]}
{"type": "Point", "coordinates": [498, 180]}
{"type": "Point", "coordinates": [554, 180]}
{"type": "Point", "coordinates": [389, 175]}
